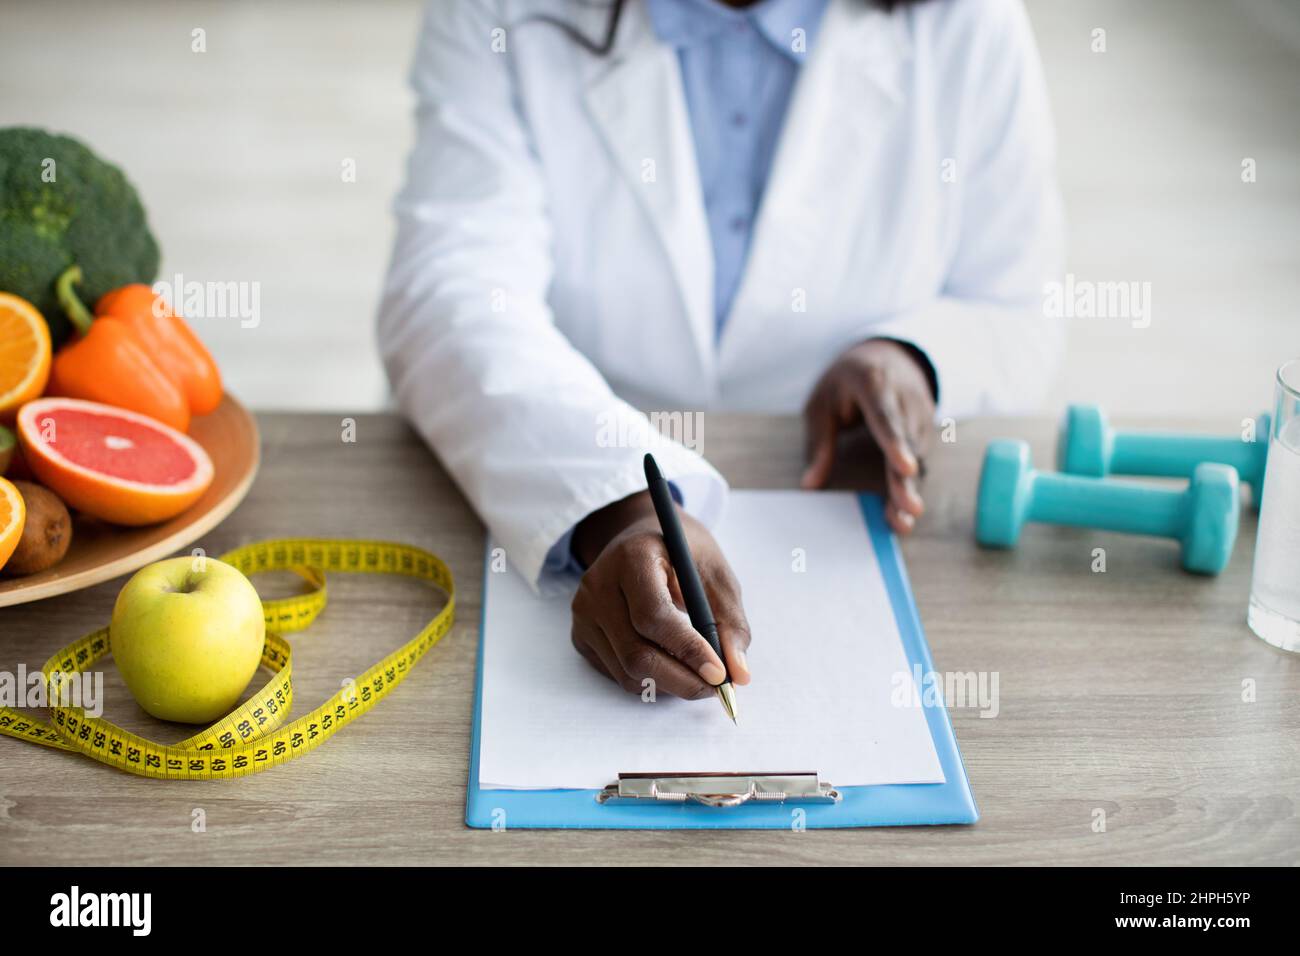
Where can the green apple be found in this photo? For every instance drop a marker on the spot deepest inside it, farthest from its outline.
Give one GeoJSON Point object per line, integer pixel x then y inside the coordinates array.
{"type": "Point", "coordinates": [187, 635]}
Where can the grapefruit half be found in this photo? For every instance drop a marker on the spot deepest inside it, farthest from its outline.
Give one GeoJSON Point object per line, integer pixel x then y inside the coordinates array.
{"type": "Point", "coordinates": [112, 463]}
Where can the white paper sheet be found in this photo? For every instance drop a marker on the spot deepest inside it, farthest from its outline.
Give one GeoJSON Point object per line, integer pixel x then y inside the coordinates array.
{"type": "Point", "coordinates": [832, 689]}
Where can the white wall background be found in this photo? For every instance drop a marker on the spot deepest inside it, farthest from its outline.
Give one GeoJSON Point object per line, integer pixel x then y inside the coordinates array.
{"type": "Point", "coordinates": [238, 153]}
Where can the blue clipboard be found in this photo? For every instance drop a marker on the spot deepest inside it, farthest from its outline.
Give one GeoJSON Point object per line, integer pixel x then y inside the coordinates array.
{"type": "Point", "coordinates": [871, 806]}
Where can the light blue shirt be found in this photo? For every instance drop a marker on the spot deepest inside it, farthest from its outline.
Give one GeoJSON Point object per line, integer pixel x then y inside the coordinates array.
{"type": "Point", "coordinates": [738, 68]}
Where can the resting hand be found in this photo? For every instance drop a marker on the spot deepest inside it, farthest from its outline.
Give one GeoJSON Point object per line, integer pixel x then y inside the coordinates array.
{"type": "Point", "coordinates": [885, 385]}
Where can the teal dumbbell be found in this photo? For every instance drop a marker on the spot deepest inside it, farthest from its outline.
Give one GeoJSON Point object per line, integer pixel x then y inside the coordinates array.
{"type": "Point", "coordinates": [1088, 446]}
{"type": "Point", "coordinates": [1202, 518]}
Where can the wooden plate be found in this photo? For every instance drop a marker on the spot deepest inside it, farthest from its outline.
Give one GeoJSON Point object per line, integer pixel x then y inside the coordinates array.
{"type": "Point", "coordinates": [100, 551]}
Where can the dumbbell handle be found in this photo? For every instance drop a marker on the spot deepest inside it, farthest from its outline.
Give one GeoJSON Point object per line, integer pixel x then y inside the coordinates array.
{"type": "Point", "coordinates": [1174, 456]}
{"type": "Point", "coordinates": [1114, 505]}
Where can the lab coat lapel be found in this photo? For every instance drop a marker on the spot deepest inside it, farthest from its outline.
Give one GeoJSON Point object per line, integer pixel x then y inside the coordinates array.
{"type": "Point", "coordinates": [639, 106]}
{"type": "Point", "coordinates": [851, 81]}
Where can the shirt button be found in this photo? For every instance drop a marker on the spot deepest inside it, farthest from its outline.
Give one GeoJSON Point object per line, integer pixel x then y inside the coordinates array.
{"type": "Point", "coordinates": [738, 223]}
{"type": "Point", "coordinates": [739, 120]}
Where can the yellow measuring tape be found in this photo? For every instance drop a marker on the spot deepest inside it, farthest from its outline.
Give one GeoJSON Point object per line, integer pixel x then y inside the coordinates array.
{"type": "Point", "coordinates": [254, 736]}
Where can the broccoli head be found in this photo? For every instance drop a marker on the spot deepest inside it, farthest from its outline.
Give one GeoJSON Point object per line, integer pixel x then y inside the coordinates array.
{"type": "Point", "coordinates": [61, 205]}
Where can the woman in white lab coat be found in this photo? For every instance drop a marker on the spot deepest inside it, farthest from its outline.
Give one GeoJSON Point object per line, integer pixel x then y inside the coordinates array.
{"type": "Point", "coordinates": [836, 206]}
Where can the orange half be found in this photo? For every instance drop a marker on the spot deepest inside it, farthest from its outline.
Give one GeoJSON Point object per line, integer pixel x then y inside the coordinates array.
{"type": "Point", "coordinates": [24, 354]}
{"type": "Point", "coordinates": [13, 515]}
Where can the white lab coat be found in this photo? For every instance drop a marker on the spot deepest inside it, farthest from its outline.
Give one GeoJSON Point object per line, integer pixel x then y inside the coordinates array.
{"type": "Point", "coordinates": [553, 256]}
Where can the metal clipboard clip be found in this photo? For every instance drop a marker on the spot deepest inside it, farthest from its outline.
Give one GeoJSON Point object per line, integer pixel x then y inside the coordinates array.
{"type": "Point", "coordinates": [719, 789]}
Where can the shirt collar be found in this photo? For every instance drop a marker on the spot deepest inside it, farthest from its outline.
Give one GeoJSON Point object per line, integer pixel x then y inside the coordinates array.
{"type": "Point", "coordinates": [681, 23]}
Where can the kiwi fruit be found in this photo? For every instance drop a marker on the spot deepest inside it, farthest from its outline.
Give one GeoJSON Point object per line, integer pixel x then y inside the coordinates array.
{"type": "Point", "coordinates": [46, 535]}
{"type": "Point", "coordinates": [7, 445]}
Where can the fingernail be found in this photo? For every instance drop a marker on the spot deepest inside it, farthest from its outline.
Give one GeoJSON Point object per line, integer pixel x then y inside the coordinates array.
{"type": "Point", "coordinates": [713, 673]}
{"type": "Point", "coordinates": [742, 662]}
{"type": "Point", "coordinates": [905, 519]}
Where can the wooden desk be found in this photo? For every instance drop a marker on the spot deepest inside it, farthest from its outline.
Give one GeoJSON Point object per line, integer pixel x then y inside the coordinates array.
{"type": "Point", "coordinates": [1119, 692]}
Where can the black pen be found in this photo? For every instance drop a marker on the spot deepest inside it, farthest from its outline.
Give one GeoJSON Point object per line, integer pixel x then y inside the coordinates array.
{"type": "Point", "coordinates": [688, 576]}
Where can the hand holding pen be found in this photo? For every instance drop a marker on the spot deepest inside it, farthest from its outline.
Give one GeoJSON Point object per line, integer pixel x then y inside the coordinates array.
{"type": "Point", "coordinates": [629, 619]}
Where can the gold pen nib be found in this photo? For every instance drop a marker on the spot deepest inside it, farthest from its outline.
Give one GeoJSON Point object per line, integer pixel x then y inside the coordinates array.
{"type": "Point", "coordinates": [727, 694]}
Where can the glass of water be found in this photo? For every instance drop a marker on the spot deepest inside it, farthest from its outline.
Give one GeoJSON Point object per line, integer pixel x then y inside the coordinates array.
{"type": "Point", "coordinates": [1275, 584]}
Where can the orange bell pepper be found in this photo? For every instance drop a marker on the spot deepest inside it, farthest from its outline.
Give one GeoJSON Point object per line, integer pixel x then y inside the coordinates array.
{"type": "Point", "coordinates": [167, 338]}
{"type": "Point", "coordinates": [107, 363]}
